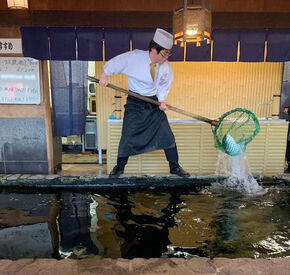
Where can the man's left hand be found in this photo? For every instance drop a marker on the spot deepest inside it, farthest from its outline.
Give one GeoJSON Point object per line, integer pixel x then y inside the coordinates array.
{"type": "Point", "coordinates": [163, 106]}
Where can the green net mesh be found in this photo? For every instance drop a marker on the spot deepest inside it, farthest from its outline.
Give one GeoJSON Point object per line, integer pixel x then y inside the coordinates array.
{"type": "Point", "coordinates": [235, 130]}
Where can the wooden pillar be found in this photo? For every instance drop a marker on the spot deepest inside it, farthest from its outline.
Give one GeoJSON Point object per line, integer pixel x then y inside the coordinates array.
{"type": "Point", "coordinates": [44, 87]}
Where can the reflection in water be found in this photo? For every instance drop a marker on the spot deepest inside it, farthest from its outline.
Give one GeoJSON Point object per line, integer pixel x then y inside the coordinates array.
{"type": "Point", "coordinates": [145, 224]}
{"type": "Point", "coordinates": [145, 235]}
{"type": "Point", "coordinates": [24, 231]}
{"type": "Point", "coordinates": [53, 225]}
{"type": "Point", "coordinates": [74, 223]}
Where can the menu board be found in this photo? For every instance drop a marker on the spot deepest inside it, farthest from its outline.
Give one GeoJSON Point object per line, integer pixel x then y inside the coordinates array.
{"type": "Point", "coordinates": [19, 80]}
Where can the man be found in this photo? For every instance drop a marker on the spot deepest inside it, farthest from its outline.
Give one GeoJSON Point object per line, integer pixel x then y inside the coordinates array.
{"type": "Point", "coordinates": [287, 112]}
{"type": "Point", "coordinates": [145, 126]}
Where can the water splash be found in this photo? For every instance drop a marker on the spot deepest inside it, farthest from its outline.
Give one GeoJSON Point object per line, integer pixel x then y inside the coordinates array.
{"type": "Point", "coordinates": [238, 174]}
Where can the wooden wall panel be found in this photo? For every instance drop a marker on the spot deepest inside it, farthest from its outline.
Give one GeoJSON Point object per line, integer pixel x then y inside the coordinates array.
{"type": "Point", "coordinates": [10, 32]}
{"type": "Point", "coordinates": [213, 88]}
{"type": "Point", "coordinates": [197, 154]}
{"type": "Point", "coordinates": [105, 103]}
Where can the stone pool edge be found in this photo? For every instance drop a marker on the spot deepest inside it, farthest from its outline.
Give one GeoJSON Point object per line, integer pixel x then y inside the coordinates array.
{"type": "Point", "coordinates": [96, 265]}
{"type": "Point", "coordinates": [125, 181]}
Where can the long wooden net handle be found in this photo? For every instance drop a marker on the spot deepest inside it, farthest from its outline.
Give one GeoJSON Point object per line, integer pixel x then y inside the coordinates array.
{"type": "Point", "coordinates": [144, 98]}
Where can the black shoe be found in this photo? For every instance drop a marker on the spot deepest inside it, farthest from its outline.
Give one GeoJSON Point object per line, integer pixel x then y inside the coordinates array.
{"type": "Point", "coordinates": [116, 172]}
{"type": "Point", "coordinates": [180, 172]}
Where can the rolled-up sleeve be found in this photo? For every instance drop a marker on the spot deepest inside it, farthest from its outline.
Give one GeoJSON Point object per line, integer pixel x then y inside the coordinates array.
{"type": "Point", "coordinates": [164, 84]}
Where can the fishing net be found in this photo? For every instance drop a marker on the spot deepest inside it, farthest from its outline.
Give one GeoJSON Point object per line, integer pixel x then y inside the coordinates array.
{"type": "Point", "coordinates": [235, 130]}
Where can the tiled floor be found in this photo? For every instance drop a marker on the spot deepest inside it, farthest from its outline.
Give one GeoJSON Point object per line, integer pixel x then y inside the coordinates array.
{"type": "Point", "coordinates": [82, 164]}
{"type": "Point", "coordinates": [83, 169]}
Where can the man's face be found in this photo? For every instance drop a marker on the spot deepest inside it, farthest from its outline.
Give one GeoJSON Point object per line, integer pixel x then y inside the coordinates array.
{"type": "Point", "coordinates": [162, 56]}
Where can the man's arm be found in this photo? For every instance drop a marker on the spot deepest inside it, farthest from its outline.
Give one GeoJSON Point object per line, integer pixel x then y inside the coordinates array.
{"type": "Point", "coordinates": [164, 87]}
{"type": "Point", "coordinates": [116, 65]}
{"type": "Point", "coordinates": [103, 79]}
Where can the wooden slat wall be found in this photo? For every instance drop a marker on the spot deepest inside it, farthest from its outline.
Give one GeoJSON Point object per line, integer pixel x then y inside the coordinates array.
{"type": "Point", "coordinates": [105, 103]}
{"type": "Point", "coordinates": [205, 88]}
{"type": "Point", "coordinates": [213, 88]}
{"type": "Point", "coordinates": [268, 149]}
{"type": "Point", "coordinates": [197, 153]}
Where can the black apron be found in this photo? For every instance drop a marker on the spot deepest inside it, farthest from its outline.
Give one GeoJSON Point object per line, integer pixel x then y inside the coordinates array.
{"type": "Point", "coordinates": [145, 128]}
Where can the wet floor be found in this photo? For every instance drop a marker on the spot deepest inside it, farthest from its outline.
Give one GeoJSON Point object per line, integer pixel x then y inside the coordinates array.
{"type": "Point", "coordinates": [177, 223]}
{"type": "Point", "coordinates": [82, 164]}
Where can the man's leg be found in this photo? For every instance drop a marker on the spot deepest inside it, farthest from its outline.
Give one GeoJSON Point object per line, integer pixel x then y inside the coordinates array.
{"type": "Point", "coordinates": [288, 151]}
{"type": "Point", "coordinates": [288, 156]}
{"type": "Point", "coordinates": [119, 168]}
{"type": "Point", "coordinates": [121, 162]}
{"type": "Point", "coordinates": [172, 157]}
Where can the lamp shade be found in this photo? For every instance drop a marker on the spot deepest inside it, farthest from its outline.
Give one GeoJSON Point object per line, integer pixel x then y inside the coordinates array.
{"type": "Point", "coordinates": [17, 4]}
{"type": "Point", "coordinates": [192, 24]}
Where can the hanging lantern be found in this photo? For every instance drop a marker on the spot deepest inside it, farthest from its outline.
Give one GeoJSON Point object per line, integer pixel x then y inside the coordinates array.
{"type": "Point", "coordinates": [17, 4]}
{"type": "Point", "coordinates": [192, 23]}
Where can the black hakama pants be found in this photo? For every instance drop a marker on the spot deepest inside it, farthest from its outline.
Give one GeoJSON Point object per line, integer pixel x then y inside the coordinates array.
{"type": "Point", "coordinates": [145, 129]}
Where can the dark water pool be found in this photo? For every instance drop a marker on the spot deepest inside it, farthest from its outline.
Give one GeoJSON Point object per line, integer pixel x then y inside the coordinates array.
{"type": "Point", "coordinates": [176, 223]}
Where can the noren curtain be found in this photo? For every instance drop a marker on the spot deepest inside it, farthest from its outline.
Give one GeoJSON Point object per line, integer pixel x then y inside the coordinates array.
{"type": "Point", "coordinates": [69, 97]}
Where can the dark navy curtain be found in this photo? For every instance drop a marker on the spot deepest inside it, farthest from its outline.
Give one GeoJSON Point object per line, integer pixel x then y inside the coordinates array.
{"type": "Point", "coordinates": [177, 53]}
{"type": "Point", "coordinates": [252, 45]}
{"type": "Point", "coordinates": [35, 42]}
{"type": "Point", "coordinates": [51, 43]}
{"type": "Point", "coordinates": [141, 38]}
{"type": "Point", "coordinates": [90, 44]}
{"type": "Point", "coordinates": [62, 43]}
{"type": "Point", "coordinates": [69, 97]}
{"type": "Point", "coordinates": [201, 53]}
{"type": "Point", "coordinates": [225, 45]}
{"type": "Point", "coordinates": [116, 42]}
{"type": "Point", "coordinates": [278, 49]}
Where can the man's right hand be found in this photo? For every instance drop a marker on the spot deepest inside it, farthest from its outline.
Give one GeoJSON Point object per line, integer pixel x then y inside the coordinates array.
{"type": "Point", "coordinates": [103, 80]}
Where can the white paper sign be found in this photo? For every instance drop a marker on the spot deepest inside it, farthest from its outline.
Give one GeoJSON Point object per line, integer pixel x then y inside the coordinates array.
{"type": "Point", "coordinates": [19, 80]}
{"type": "Point", "coordinates": [10, 46]}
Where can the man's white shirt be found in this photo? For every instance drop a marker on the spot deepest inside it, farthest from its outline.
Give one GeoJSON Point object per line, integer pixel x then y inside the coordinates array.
{"type": "Point", "coordinates": [136, 65]}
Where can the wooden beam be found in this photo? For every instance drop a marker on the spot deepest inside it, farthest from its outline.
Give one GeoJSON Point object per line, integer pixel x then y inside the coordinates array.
{"type": "Point", "coordinates": [10, 32]}
{"type": "Point", "coordinates": [111, 19]}
{"type": "Point", "coordinates": [153, 5]}
{"type": "Point", "coordinates": [86, 19]}
{"type": "Point", "coordinates": [257, 20]}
